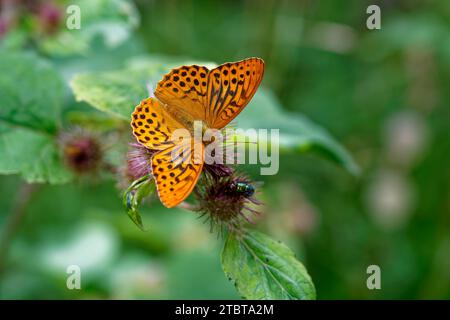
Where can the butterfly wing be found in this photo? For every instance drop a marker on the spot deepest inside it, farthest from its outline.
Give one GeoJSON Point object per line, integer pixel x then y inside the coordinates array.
{"type": "Point", "coordinates": [153, 125]}
{"type": "Point", "coordinates": [231, 86]}
{"type": "Point", "coordinates": [178, 163]}
{"type": "Point", "coordinates": [176, 171]}
{"type": "Point", "coordinates": [184, 91]}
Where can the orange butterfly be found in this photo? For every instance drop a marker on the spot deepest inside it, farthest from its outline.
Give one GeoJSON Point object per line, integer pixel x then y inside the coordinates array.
{"type": "Point", "coordinates": [186, 94]}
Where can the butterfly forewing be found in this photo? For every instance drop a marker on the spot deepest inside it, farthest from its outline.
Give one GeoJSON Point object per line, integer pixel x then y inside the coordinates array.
{"type": "Point", "coordinates": [184, 89]}
{"type": "Point", "coordinates": [231, 86]}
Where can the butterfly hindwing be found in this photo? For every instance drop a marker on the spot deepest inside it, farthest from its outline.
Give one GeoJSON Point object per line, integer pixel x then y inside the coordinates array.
{"type": "Point", "coordinates": [231, 86]}
{"type": "Point", "coordinates": [176, 171]}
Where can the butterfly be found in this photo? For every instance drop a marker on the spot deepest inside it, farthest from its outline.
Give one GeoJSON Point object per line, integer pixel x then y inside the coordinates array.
{"type": "Point", "coordinates": [186, 94]}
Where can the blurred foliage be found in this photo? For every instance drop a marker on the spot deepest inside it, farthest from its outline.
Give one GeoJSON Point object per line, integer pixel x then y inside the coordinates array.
{"type": "Point", "coordinates": [382, 94]}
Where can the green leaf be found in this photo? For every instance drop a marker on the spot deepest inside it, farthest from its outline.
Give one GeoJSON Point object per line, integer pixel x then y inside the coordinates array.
{"type": "Point", "coordinates": [134, 195]}
{"type": "Point", "coordinates": [31, 92]}
{"type": "Point", "coordinates": [14, 39]}
{"type": "Point", "coordinates": [116, 93]}
{"type": "Point", "coordinates": [32, 154]}
{"type": "Point", "coordinates": [262, 268]}
{"type": "Point", "coordinates": [31, 96]}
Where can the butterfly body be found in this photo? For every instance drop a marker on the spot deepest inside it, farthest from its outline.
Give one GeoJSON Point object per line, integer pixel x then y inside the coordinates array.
{"type": "Point", "coordinates": [186, 95]}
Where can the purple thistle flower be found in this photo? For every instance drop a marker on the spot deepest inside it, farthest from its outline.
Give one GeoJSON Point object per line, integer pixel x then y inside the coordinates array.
{"type": "Point", "coordinates": [139, 161]}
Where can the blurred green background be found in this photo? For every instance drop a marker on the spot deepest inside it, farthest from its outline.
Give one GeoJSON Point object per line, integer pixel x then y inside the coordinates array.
{"type": "Point", "coordinates": [383, 94]}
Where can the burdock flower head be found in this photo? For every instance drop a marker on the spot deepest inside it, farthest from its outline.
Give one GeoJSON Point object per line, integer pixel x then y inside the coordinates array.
{"type": "Point", "coordinates": [227, 201]}
{"type": "Point", "coordinates": [81, 150]}
{"type": "Point", "coordinates": [139, 161]}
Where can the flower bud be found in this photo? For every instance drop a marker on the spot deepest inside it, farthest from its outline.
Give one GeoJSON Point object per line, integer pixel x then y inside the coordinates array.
{"type": "Point", "coordinates": [81, 150]}
{"type": "Point", "coordinates": [49, 16]}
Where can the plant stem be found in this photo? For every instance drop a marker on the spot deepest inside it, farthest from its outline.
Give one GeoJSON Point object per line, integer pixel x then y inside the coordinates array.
{"type": "Point", "coordinates": [14, 220]}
